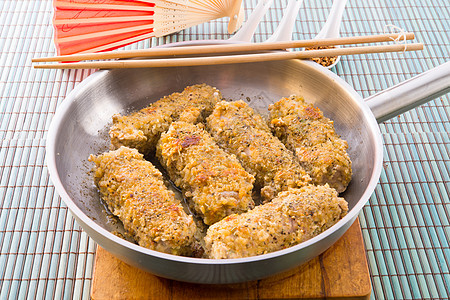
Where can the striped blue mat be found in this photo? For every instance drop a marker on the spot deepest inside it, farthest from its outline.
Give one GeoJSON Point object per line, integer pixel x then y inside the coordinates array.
{"type": "Point", "coordinates": [45, 254]}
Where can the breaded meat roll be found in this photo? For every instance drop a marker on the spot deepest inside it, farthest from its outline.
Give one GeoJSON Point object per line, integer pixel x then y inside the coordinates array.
{"type": "Point", "coordinates": [238, 129]}
{"type": "Point", "coordinates": [293, 217]}
{"type": "Point", "coordinates": [142, 129]}
{"type": "Point", "coordinates": [135, 192]}
{"type": "Point", "coordinates": [213, 181]}
{"type": "Point", "coordinates": [312, 137]}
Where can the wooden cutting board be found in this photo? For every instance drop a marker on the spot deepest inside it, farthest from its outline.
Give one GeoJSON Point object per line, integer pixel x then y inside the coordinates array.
{"type": "Point", "coordinates": [341, 272]}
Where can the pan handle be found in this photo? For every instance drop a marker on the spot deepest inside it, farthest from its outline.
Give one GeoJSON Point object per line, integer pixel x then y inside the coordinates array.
{"type": "Point", "coordinates": [410, 93]}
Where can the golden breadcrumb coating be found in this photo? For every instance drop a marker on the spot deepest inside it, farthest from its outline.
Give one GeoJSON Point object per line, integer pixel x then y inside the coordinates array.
{"type": "Point", "coordinates": [293, 217]}
{"type": "Point", "coordinates": [242, 132]}
{"type": "Point", "coordinates": [135, 192]}
{"type": "Point", "coordinates": [213, 181]}
{"type": "Point", "coordinates": [142, 129]}
{"type": "Point", "coordinates": [312, 137]}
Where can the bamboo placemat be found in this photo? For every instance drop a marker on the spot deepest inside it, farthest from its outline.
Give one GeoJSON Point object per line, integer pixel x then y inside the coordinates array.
{"type": "Point", "coordinates": [45, 254]}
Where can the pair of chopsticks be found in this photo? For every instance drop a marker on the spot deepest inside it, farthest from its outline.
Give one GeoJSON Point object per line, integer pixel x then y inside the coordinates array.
{"type": "Point", "coordinates": [172, 61]}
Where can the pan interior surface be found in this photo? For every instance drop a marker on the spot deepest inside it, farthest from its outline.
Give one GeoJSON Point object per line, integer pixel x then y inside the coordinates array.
{"type": "Point", "coordinates": [80, 128]}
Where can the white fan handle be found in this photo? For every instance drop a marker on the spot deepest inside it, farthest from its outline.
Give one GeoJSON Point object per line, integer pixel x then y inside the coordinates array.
{"type": "Point", "coordinates": [236, 16]}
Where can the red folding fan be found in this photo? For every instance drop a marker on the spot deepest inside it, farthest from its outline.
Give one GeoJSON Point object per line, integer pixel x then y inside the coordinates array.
{"type": "Point", "coordinates": [83, 26]}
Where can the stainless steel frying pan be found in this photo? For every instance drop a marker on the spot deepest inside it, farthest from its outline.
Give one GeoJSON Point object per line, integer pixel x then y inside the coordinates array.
{"type": "Point", "coordinates": [79, 128]}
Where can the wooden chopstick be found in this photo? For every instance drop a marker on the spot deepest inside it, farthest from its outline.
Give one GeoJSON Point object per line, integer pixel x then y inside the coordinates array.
{"type": "Point", "coordinates": [222, 48]}
{"type": "Point", "coordinates": [232, 59]}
